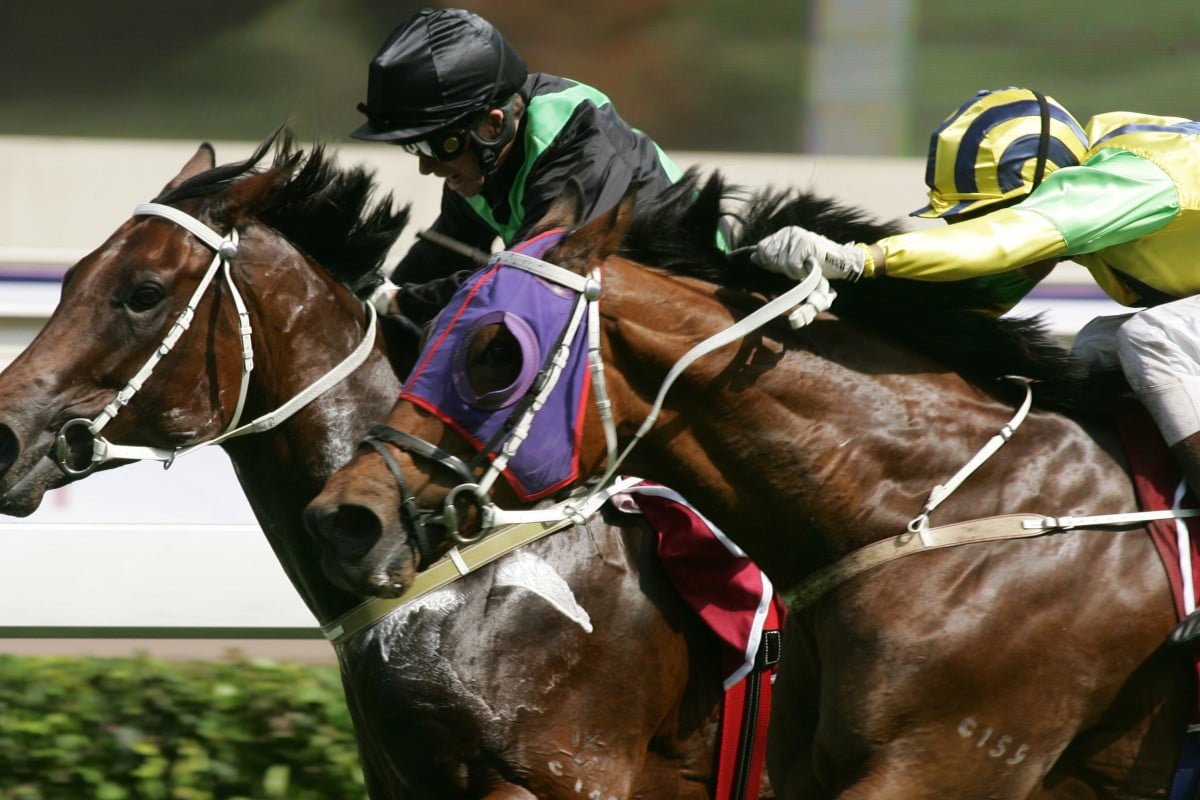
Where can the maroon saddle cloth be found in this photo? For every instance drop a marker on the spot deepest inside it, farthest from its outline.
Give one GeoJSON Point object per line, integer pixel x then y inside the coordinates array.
{"type": "Point", "coordinates": [1156, 478]}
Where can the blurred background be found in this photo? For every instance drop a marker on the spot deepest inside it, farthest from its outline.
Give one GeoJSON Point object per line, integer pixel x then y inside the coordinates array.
{"type": "Point", "coordinates": [861, 77]}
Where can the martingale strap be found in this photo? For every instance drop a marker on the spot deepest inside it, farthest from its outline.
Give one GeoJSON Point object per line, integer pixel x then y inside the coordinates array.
{"type": "Point", "coordinates": [990, 529]}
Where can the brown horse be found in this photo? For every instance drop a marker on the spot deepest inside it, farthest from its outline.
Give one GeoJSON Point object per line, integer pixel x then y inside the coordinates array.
{"type": "Point", "coordinates": [1020, 668]}
{"type": "Point", "coordinates": [569, 669]}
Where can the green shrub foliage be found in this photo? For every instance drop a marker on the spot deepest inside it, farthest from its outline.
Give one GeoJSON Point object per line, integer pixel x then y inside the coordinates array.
{"type": "Point", "coordinates": [134, 728]}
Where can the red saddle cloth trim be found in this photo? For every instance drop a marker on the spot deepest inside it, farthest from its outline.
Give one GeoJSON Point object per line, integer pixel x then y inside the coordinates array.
{"type": "Point", "coordinates": [740, 710]}
{"type": "Point", "coordinates": [712, 574]}
{"type": "Point", "coordinates": [1156, 477]}
{"type": "Point", "coordinates": [738, 603]}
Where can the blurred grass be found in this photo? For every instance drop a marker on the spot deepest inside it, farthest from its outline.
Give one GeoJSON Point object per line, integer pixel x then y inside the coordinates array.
{"type": "Point", "coordinates": [1090, 56]}
{"type": "Point", "coordinates": [139, 729]}
{"type": "Point", "coordinates": [696, 74]}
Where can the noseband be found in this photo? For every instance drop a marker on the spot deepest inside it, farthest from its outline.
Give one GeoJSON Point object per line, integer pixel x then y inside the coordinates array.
{"type": "Point", "coordinates": [225, 249]}
{"type": "Point", "coordinates": [410, 513]}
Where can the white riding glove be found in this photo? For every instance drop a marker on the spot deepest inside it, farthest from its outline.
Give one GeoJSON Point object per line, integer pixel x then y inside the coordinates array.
{"type": "Point", "coordinates": [786, 250]}
{"type": "Point", "coordinates": [385, 297]}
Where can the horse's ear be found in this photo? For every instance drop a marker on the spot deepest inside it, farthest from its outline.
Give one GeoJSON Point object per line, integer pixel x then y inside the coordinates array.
{"type": "Point", "coordinates": [204, 159]}
{"type": "Point", "coordinates": [565, 212]}
{"type": "Point", "coordinates": [249, 195]}
{"type": "Point", "coordinates": [596, 240]}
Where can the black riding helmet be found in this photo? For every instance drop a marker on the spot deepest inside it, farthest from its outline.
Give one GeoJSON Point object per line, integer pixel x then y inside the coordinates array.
{"type": "Point", "coordinates": [440, 68]}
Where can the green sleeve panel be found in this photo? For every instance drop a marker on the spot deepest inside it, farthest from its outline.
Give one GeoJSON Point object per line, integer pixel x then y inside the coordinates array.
{"type": "Point", "coordinates": [1112, 203]}
{"type": "Point", "coordinates": [1115, 197]}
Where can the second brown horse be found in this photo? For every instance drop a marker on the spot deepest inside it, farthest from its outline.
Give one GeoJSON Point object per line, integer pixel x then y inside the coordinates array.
{"type": "Point", "coordinates": [1010, 669]}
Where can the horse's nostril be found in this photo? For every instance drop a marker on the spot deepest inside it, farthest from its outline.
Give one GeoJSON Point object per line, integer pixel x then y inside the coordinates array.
{"type": "Point", "coordinates": [349, 527]}
{"type": "Point", "coordinates": [10, 448]}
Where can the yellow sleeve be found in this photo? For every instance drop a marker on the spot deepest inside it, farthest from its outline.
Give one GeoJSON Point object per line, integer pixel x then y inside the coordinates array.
{"type": "Point", "coordinates": [997, 242]}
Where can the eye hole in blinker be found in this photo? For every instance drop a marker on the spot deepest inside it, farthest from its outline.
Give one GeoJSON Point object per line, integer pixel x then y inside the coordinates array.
{"type": "Point", "coordinates": [497, 361]}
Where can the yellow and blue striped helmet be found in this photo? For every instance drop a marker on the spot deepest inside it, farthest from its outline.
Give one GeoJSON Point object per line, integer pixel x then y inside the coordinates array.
{"type": "Point", "coordinates": [998, 146]}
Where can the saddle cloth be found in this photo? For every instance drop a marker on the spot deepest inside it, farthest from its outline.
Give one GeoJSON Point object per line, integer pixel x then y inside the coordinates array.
{"type": "Point", "coordinates": [1156, 478]}
{"type": "Point", "coordinates": [720, 583]}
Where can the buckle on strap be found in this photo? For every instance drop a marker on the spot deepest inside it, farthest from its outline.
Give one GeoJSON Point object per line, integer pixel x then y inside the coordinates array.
{"type": "Point", "coordinates": [770, 650]}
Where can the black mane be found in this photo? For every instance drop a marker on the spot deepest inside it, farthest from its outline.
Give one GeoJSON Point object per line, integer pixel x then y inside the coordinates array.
{"type": "Point", "coordinates": [327, 211]}
{"type": "Point", "coordinates": [677, 231]}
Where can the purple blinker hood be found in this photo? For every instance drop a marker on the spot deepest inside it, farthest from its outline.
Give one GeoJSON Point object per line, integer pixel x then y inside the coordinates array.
{"type": "Point", "coordinates": [536, 312]}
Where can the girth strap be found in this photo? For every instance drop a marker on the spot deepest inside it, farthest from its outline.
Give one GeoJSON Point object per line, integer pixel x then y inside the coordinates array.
{"type": "Point", "coordinates": [989, 529]}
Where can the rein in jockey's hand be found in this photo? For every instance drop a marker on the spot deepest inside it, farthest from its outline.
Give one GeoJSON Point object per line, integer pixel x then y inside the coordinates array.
{"type": "Point", "coordinates": [821, 299]}
{"type": "Point", "coordinates": [786, 250]}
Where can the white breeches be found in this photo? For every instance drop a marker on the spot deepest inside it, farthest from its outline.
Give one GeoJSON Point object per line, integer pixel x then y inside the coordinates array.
{"type": "Point", "coordinates": [1159, 351]}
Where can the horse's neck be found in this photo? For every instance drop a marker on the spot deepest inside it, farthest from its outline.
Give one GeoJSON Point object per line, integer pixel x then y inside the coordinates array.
{"type": "Point", "coordinates": [283, 469]}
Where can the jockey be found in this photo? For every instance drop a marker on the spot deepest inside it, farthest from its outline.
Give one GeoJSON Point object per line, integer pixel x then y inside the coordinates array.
{"type": "Point", "coordinates": [448, 88]}
{"type": "Point", "coordinates": [1018, 177]}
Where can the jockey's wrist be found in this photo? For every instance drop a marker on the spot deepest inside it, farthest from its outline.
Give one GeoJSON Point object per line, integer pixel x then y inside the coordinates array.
{"type": "Point", "coordinates": [876, 263]}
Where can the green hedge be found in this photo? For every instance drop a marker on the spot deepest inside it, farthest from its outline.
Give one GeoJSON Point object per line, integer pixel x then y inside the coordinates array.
{"type": "Point", "coordinates": [134, 728]}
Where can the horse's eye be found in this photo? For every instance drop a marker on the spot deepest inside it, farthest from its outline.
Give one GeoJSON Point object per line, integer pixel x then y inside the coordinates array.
{"type": "Point", "coordinates": [145, 296]}
{"type": "Point", "coordinates": [495, 360]}
{"type": "Point", "coordinates": [496, 363]}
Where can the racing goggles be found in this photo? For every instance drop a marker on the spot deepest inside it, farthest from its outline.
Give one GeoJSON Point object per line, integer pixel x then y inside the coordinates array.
{"type": "Point", "coordinates": [444, 145]}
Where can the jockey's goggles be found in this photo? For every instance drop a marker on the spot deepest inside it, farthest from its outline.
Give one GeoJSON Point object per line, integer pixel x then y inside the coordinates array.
{"type": "Point", "coordinates": [444, 145]}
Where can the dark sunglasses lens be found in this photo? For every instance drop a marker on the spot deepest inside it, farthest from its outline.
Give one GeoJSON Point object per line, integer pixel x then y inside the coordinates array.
{"type": "Point", "coordinates": [444, 146]}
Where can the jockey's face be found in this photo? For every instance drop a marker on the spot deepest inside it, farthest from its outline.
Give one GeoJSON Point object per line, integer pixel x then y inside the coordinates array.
{"type": "Point", "coordinates": [463, 175]}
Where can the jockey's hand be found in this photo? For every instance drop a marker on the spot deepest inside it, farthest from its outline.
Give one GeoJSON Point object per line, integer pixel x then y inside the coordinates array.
{"type": "Point", "coordinates": [820, 300]}
{"type": "Point", "coordinates": [385, 297]}
{"type": "Point", "coordinates": [786, 250]}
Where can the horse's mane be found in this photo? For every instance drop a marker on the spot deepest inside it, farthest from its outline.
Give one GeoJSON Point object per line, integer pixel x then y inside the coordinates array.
{"type": "Point", "coordinates": [328, 211]}
{"type": "Point", "coordinates": [677, 231]}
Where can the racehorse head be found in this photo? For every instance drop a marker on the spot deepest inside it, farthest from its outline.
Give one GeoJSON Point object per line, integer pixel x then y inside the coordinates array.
{"type": "Point", "coordinates": [427, 476]}
{"type": "Point", "coordinates": [215, 253]}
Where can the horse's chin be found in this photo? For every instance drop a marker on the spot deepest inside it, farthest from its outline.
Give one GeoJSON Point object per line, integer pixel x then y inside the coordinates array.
{"type": "Point", "coordinates": [18, 506]}
{"type": "Point", "coordinates": [367, 582]}
{"type": "Point", "coordinates": [22, 494]}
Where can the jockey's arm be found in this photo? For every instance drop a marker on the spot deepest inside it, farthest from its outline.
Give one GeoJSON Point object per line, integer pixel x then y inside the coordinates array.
{"type": "Point", "coordinates": [1115, 197]}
